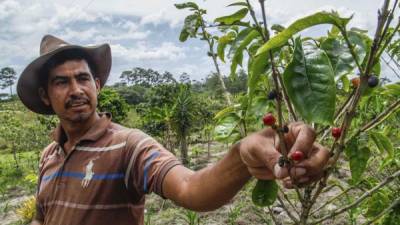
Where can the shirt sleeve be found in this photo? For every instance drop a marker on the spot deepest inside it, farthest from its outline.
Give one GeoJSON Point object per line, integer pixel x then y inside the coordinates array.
{"type": "Point", "coordinates": [39, 214]}
{"type": "Point", "coordinates": [148, 163]}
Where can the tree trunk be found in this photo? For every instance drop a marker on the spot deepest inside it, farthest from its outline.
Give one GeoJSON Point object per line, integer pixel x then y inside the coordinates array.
{"type": "Point", "coordinates": [15, 157]}
{"type": "Point", "coordinates": [170, 145]}
{"type": "Point", "coordinates": [184, 150]}
{"type": "Point", "coordinates": [214, 57]}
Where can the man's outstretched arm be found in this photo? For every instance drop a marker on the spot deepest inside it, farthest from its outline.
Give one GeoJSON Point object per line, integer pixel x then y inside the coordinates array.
{"type": "Point", "coordinates": [255, 155]}
{"type": "Point", "coordinates": [36, 222]}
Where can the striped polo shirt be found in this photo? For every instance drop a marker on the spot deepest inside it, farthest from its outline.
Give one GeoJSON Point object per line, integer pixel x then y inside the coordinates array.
{"type": "Point", "coordinates": [104, 179]}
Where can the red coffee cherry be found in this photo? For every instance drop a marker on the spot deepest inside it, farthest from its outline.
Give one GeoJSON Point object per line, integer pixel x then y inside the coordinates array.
{"type": "Point", "coordinates": [269, 119]}
{"type": "Point", "coordinates": [297, 155]}
{"type": "Point", "coordinates": [336, 132]}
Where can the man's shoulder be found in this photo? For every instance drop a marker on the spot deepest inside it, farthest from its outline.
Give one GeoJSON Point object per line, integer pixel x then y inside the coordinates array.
{"type": "Point", "coordinates": [128, 134]}
{"type": "Point", "coordinates": [49, 148]}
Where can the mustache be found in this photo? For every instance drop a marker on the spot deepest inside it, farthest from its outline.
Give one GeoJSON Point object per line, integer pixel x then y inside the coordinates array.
{"type": "Point", "coordinates": [75, 100]}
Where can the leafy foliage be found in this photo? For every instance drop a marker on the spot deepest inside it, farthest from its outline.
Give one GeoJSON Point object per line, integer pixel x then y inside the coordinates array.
{"type": "Point", "coordinates": [110, 101]}
{"type": "Point", "coordinates": [309, 80]}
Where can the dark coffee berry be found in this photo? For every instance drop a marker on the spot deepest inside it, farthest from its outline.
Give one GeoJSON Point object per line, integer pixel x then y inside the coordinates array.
{"type": "Point", "coordinates": [373, 81]}
{"type": "Point", "coordinates": [272, 95]}
{"type": "Point", "coordinates": [269, 119]}
{"type": "Point", "coordinates": [285, 129]}
{"type": "Point", "coordinates": [281, 161]}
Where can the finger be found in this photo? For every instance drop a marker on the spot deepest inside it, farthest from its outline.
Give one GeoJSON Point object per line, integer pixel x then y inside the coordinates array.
{"type": "Point", "coordinates": [290, 184]}
{"type": "Point", "coordinates": [304, 137]}
{"type": "Point", "coordinates": [262, 173]}
{"type": "Point", "coordinates": [317, 160]}
{"type": "Point", "coordinates": [297, 172]}
{"type": "Point", "coordinates": [263, 151]}
{"type": "Point", "coordinates": [287, 183]}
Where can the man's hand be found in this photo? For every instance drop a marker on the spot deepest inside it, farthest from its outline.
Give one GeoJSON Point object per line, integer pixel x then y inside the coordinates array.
{"type": "Point", "coordinates": [260, 152]}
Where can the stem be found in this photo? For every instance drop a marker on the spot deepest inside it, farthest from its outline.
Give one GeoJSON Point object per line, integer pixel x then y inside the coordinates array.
{"type": "Point", "coordinates": [272, 215]}
{"type": "Point", "coordinates": [360, 199]}
{"type": "Point", "coordinates": [286, 98]}
{"type": "Point", "coordinates": [353, 105]}
{"type": "Point", "coordinates": [214, 57]}
{"type": "Point", "coordinates": [253, 16]}
{"type": "Point", "coordinates": [332, 199]}
{"type": "Point", "coordinates": [288, 200]}
{"type": "Point", "coordinates": [385, 211]}
{"type": "Point", "coordinates": [351, 49]}
{"type": "Point", "coordinates": [292, 217]}
{"type": "Point", "coordinates": [381, 117]}
{"type": "Point", "coordinates": [388, 40]}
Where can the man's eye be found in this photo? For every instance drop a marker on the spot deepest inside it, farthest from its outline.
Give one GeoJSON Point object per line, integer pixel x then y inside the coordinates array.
{"type": "Point", "coordinates": [84, 78]}
{"type": "Point", "coordinates": [60, 82]}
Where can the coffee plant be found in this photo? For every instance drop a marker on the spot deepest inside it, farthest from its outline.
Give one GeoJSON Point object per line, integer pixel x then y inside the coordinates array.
{"type": "Point", "coordinates": [332, 83]}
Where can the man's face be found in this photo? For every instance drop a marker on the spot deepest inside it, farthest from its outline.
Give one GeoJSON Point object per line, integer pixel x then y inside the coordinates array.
{"type": "Point", "coordinates": [72, 91]}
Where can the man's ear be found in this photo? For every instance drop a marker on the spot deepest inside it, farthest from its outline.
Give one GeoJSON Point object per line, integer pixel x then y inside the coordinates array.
{"type": "Point", "coordinates": [97, 82]}
{"type": "Point", "coordinates": [44, 97]}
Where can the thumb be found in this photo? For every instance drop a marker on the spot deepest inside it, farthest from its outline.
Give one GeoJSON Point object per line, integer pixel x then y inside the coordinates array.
{"type": "Point", "coordinates": [304, 137]}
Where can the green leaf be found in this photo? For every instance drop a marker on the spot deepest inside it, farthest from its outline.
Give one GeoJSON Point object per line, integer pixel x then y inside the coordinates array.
{"type": "Point", "coordinates": [191, 5]}
{"type": "Point", "coordinates": [309, 80]}
{"type": "Point", "coordinates": [392, 89]}
{"type": "Point", "coordinates": [378, 202]}
{"type": "Point", "coordinates": [238, 4]}
{"type": "Point", "coordinates": [223, 41]}
{"type": "Point", "coordinates": [358, 154]}
{"type": "Point", "coordinates": [346, 83]}
{"type": "Point", "coordinates": [234, 63]}
{"type": "Point", "coordinates": [301, 24]}
{"type": "Point", "coordinates": [258, 66]}
{"type": "Point", "coordinates": [237, 42]}
{"type": "Point", "coordinates": [226, 127]}
{"type": "Point", "coordinates": [339, 55]}
{"type": "Point", "coordinates": [226, 111]}
{"type": "Point", "coordinates": [190, 27]}
{"type": "Point", "coordinates": [228, 20]}
{"type": "Point", "coordinates": [265, 193]}
{"type": "Point", "coordinates": [361, 43]}
{"type": "Point", "coordinates": [277, 28]}
{"type": "Point", "coordinates": [383, 143]}
{"type": "Point", "coordinates": [244, 38]}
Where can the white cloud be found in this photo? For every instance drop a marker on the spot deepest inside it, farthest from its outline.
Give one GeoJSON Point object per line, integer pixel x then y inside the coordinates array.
{"type": "Point", "coordinates": [167, 51]}
{"type": "Point", "coordinates": [154, 18]}
{"type": "Point", "coordinates": [8, 7]}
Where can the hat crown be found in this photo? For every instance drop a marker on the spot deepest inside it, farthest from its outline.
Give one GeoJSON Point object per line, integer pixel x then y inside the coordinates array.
{"type": "Point", "coordinates": [50, 43]}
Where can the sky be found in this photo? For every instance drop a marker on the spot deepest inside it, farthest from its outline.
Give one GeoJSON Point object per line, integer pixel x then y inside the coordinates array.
{"type": "Point", "coordinates": [145, 33]}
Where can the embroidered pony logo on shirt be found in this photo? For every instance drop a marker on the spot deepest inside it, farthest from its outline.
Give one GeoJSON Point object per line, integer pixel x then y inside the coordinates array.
{"type": "Point", "coordinates": [89, 173]}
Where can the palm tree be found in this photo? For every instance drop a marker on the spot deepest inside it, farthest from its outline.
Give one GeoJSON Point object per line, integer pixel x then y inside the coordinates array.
{"type": "Point", "coordinates": [183, 116]}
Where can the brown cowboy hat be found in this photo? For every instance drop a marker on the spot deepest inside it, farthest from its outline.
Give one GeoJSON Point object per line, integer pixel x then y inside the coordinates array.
{"type": "Point", "coordinates": [29, 82]}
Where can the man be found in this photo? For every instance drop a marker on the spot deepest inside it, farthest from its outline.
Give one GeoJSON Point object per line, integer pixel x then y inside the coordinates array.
{"type": "Point", "coordinates": [97, 172]}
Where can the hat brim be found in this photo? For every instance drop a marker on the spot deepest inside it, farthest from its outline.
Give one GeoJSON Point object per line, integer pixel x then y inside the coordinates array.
{"type": "Point", "coordinates": [29, 81]}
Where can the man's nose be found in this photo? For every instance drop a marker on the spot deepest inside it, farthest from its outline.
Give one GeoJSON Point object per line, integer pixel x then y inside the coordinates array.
{"type": "Point", "coordinates": [75, 88]}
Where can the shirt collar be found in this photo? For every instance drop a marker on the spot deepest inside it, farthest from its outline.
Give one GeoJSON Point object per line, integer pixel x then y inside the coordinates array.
{"type": "Point", "coordinates": [93, 134]}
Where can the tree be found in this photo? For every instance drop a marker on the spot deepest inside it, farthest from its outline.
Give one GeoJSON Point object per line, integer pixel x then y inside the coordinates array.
{"type": "Point", "coordinates": [7, 78]}
{"type": "Point", "coordinates": [110, 101]}
{"type": "Point", "coordinates": [183, 117]}
{"type": "Point", "coordinates": [192, 24]}
{"type": "Point", "coordinates": [146, 77]}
